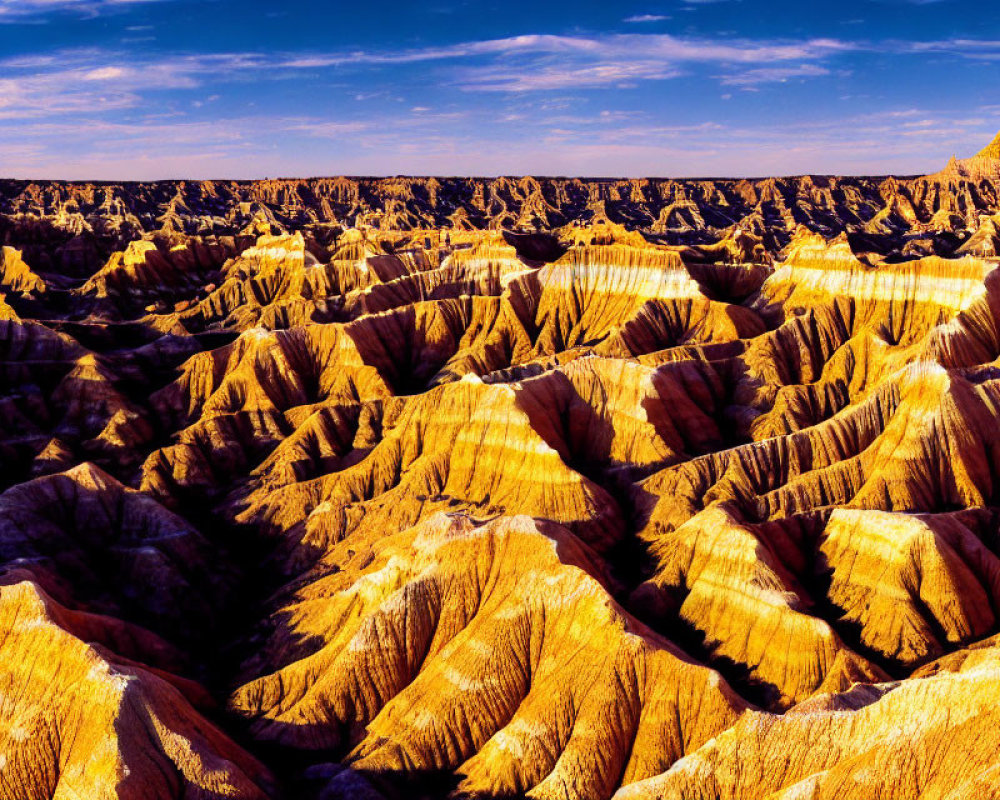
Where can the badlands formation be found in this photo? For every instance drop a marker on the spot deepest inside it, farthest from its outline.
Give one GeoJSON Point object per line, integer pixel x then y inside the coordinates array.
{"type": "Point", "coordinates": [547, 488]}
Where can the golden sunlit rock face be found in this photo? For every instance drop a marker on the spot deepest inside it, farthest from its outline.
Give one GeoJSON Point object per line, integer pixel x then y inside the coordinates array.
{"type": "Point", "coordinates": [420, 488]}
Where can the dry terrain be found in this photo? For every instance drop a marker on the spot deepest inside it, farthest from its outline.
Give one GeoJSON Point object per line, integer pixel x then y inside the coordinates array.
{"type": "Point", "coordinates": [570, 489]}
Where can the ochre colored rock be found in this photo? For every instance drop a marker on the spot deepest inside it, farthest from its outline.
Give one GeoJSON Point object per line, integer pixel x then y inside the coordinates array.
{"type": "Point", "coordinates": [494, 488]}
{"type": "Point", "coordinates": [511, 635]}
{"type": "Point", "coordinates": [80, 721]}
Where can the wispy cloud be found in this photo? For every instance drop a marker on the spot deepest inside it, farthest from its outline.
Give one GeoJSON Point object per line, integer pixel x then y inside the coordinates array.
{"type": "Point", "coordinates": [627, 45]}
{"type": "Point", "coordinates": [19, 10]}
{"type": "Point", "coordinates": [100, 81]}
{"type": "Point", "coordinates": [539, 62]}
{"type": "Point", "coordinates": [96, 81]}
{"type": "Point", "coordinates": [549, 63]}
{"type": "Point", "coordinates": [759, 75]}
{"type": "Point", "coordinates": [550, 77]}
{"type": "Point", "coordinates": [983, 49]}
{"type": "Point", "coordinates": [638, 18]}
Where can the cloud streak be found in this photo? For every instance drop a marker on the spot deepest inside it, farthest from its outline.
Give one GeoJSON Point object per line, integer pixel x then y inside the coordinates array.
{"type": "Point", "coordinates": [97, 81]}
{"type": "Point", "coordinates": [760, 75]}
{"type": "Point", "coordinates": [519, 64]}
{"type": "Point", "coordinates": [546, 62]}
{"type": "Point", "coordinates": [12, 11]}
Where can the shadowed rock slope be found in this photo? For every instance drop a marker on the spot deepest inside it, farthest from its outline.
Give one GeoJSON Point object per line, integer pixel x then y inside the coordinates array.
{"type": "Point", "coordinates": [554, 488]}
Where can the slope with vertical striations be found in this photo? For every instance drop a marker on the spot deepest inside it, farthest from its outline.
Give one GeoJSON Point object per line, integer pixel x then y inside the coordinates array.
{"type": "Point", "coordinates": [545, 488]}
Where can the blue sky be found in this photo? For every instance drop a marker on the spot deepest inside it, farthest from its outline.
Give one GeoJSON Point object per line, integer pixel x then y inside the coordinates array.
{"type": "Point", "coordinates": [145, 89]}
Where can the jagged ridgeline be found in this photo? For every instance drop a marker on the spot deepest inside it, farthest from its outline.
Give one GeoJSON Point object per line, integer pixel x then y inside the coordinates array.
{"type": "Point", "coordinates": [560, 489]}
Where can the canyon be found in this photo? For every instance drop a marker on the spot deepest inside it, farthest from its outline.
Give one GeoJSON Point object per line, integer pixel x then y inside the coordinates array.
{"type": "Point", "coordinates": [552, 488]}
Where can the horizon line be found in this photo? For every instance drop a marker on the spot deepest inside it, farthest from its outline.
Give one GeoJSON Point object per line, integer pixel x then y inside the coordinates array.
{"type": "Point", "coordinates": [429, 176]}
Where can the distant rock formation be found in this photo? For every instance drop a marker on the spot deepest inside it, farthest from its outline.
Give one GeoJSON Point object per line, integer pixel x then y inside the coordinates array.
{"type": "Point", "coordinates": [985, 165]}
{"type": "Point", "coordinates": [991, 150]}
{"type": "Point", "coordinates": [75, 228]}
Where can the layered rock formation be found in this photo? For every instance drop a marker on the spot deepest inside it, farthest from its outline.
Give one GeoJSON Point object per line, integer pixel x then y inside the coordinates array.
{"type": "Point", "coordinates": [533, 488]}
{"type": "Point", "coordinates": [75, 228]}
